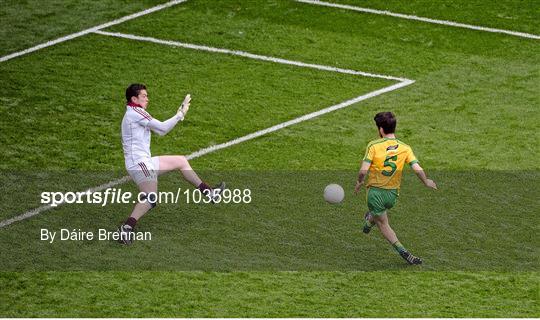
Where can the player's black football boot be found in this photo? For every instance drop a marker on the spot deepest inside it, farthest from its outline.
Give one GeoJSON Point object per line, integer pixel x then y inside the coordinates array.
{"type": "Point", "coordinates": [126, 234]}
{"type": "Point", "coordinates": [410, 258]}
{"type": "Point", "coordinates": [367, 225]}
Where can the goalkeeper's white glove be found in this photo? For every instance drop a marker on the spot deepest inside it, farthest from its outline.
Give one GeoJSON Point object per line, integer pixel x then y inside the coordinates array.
{"type": "Point", "coordinates": [184, 107]}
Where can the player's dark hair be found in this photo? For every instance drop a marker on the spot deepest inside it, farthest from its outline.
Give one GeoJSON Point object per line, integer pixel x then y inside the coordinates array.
{"type": "Point", "coordinates": [133, 90]}
{"type": "Point", "coordinates": [387, 121]}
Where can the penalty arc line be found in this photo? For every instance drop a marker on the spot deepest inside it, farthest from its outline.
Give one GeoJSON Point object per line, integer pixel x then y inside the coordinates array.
{"type": "Point", "coordinates": [423, 19]}
{"type": "Point", "coordinates": [217, 147]}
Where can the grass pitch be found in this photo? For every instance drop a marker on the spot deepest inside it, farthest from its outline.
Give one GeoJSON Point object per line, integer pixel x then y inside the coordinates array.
{"type": "Point", "coordinates": [470, 118]}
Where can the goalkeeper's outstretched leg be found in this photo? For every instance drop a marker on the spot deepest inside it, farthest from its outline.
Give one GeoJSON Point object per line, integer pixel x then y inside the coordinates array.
{"type": "Point", "coordinates": [170, 163]}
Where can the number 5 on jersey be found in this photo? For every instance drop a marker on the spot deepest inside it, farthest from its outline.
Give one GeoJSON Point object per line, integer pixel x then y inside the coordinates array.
{"type": "Point", "coordinates": [392, 165]}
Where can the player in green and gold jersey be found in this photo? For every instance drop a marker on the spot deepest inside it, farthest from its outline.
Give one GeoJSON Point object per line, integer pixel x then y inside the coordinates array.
{"type": "Point", "coordinates": [383, 164]}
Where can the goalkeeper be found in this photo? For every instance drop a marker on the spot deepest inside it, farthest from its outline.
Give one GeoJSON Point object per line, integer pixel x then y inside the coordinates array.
{"type": "Point", "coordinates": [137, 126]}
{"type": "Point", "coordinates": [384, 161]}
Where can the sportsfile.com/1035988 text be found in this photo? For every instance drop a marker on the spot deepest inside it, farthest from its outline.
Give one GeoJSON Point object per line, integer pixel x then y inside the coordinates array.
{"type": "Point", "coordinates": [117, 196]}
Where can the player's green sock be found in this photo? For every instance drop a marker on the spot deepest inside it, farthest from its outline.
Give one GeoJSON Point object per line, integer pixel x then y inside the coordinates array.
{"type": "Point", "coordinates": [399, 247]}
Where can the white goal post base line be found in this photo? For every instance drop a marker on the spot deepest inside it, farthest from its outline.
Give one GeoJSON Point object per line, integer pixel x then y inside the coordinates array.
{"type": "Point", "coordinates": [402, 83]}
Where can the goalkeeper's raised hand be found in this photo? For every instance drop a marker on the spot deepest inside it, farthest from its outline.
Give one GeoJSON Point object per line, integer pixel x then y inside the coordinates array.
{"type": "Point", "coordinates": [184, 107]}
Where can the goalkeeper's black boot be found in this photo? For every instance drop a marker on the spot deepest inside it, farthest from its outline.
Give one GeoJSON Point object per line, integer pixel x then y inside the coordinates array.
{"type": "Point", "coordinates": [410, 258]}
{"type": "Point", "coordinates": [367, 225]}
{"type": "Point", "coordinates": [215, 193]}
{"type": "Point", "coordinates": [126, 234]}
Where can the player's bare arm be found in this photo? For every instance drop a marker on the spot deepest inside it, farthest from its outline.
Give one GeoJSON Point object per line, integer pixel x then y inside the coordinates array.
{"type": "Point", "coordinates": [361, 176]}
{"type": "Point", "coordinates": [422, 176]}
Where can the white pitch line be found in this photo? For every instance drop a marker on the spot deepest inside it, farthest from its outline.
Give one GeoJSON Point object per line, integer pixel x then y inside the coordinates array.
{"type": "Point", "coordinates": [247, 55]}
{"type": "Point", "coordinates": [301, 118]}
{"type": "Point", "coordinates": [217, 147]}
{"type": "Point", "coordinates": [90, 30]}
{"type": "Point", "coordinates": [41, 209]}
{"type": "Point", "coordinates": [423, 19]}
{"type": "Point", "coordinates": [321, 3]}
